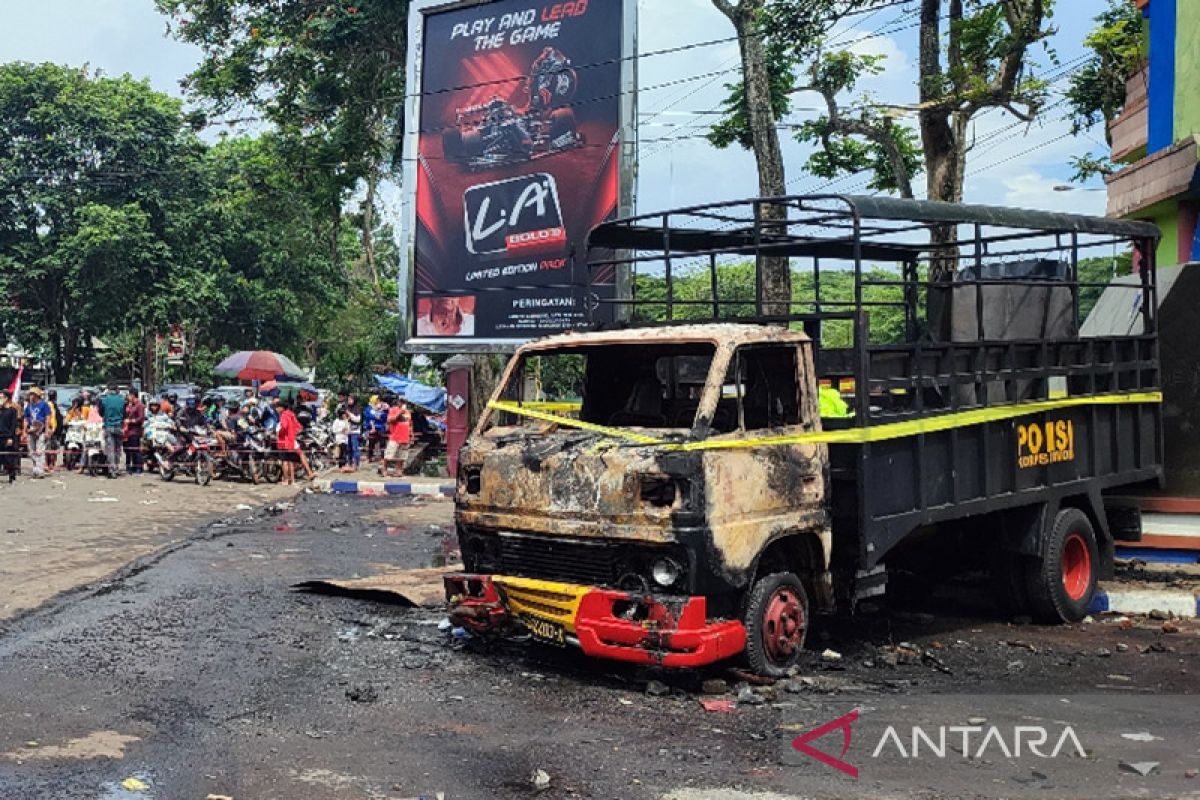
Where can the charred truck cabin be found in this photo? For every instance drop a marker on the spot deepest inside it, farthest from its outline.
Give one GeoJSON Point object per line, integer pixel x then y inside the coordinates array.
{"type": "Point", "coordinates": [693, 483]}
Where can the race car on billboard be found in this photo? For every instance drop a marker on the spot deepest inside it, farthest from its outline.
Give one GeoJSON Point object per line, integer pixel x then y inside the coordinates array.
{"type": "Point", "coordinates": [497, 133]}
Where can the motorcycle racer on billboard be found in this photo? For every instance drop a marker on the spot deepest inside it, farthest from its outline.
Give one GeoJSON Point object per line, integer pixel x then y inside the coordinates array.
{"type": "Point", "coordinates": [497, 133]}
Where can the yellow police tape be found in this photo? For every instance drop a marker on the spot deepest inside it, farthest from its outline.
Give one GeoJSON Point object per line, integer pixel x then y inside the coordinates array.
{"type": "Point", "coordinates": [861, 435]}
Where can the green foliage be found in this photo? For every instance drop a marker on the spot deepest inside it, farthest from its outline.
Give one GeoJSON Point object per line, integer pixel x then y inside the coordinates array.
{"type": "Point", "coordinates": [866, 141]}
{"type": "Point", "coordinates": [1100, 270]}
{"type": "Point", "coordinates": [735, 290]}
{"type": "Point", "coordinates": [1097, 92]}
{"type": "Point", "coordinates": [734, 127]}
{"type": "Point", "coordinates": [328, 74]}
{"type": "Point", "coordinates": [117, 222]}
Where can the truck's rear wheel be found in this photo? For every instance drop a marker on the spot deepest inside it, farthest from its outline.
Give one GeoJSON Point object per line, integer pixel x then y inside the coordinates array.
{"type": "Point", "coordinates": [776, 620]}
{"type": "Point", "coordinates": [1062, 582]}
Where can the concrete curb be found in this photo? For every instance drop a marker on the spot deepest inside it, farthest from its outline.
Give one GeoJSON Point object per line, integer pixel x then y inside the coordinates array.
{"type": "Point", "coordinates": [1180, 602]}
{"type": "Point", "coordinates": [386, 488]}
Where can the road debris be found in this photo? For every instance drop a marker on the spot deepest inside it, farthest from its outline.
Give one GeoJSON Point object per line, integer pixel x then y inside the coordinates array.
{"type": "Point", "coordinates": [657, 689]}
{"type": "Point", "coordinates": [717, 705]}
{"type": "Point", "coordinates": [1142, 768]}
{"type": "Point", "coordinates": [1158, 615]}
{"type": "Point", "coordinates": [362, 693]}
{"type": "Point", "coordinates": [411, 588]}
{"type": "Point", "coordinates": [540, 780]}
{"type": "Point", "coordinates": [1022, 645]}
{"type": "Point", "coordinates": [1170, 627]}
{"type": "Point", "coordinates": [748, 697]}
{"type": "Point", "coordinates": [714, 686]}
{"type": "Point", "coordinates": [134, 784]}
{"type": "Point", "coordinates": [1190, 773]}
{"type": "Point", "coordinates": [1122, 647]}
{"type": "Point", "coordinates": [831, 655]}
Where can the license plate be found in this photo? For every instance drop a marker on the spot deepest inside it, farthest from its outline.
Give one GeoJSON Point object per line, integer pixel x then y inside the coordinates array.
{"type": "Point", "coordinates": [544, 630]}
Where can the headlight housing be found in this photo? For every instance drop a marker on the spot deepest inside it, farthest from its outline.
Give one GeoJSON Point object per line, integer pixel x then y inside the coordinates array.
{"type": "Point", "coordinates": [666, 572]}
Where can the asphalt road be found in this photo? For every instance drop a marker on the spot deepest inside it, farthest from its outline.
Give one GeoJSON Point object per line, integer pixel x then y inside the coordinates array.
{"type": "Point", "coordinates": [198, 670]}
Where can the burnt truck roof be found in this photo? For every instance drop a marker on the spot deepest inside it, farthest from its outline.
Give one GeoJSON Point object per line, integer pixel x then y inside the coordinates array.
{"type": "Point", "coordinates": [628, 233]}
{"type": "Point", "coordinates": [718, 333]}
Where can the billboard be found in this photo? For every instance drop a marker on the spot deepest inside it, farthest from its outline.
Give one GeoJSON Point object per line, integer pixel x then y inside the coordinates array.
{"type": "Point", "coordinates": [517, 146]}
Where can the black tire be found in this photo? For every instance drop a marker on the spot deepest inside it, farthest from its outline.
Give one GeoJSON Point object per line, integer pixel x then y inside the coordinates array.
{"type": "Point", "coordinates": [1062, 582]}
{"type": "Point", "coordinates": [452, 144]}
{"type": "Point", "coordinates": [562, 122]}
{"type": "Point", "coordinates": [272, 471]}
{"type": "Point", "coordinates": [203, 469]}
{"type": "Point", "coordinates": [762, 623]}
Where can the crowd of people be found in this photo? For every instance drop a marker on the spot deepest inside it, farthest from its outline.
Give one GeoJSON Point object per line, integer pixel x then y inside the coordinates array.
{"type": "Point", "coordinates": [129, 428]}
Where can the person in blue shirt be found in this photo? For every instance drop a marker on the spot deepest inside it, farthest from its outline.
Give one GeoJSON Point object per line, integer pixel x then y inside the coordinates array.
{"type": "Point", "coordinates": [37, 421]}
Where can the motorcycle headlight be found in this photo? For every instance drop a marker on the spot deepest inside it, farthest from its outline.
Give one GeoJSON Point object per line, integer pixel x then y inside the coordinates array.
{"type": "Point", "coordinates": [666, 572]}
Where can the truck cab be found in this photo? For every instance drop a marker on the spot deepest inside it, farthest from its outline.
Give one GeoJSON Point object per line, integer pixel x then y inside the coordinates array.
{"type": "Point", "coordinates": [620, 496]}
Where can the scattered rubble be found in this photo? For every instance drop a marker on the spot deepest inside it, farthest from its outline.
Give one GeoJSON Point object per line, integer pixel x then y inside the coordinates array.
{"type": "Point", "coordinates": [748, 697]}
{"type": "Point", "coordinates": [657, 689]}
{"type": "Point", "coordinates": [714, 686]}
{"type": "Point", "coordinates": [540, 780]}
{"type": "Point", "coordinates": [1142, 768]}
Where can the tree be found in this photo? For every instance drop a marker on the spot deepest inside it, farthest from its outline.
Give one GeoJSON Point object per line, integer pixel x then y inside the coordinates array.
{"type": "Point", "coordinates": [88, 169]}
{"type": "Point", "coordinates": [1097, 93]}
{"type": "Point", "coordinates": [977, 60]}
{"type": "Point", "coordinates": [328, 74]}
{"type": "Point", "coordinates": [757, 104]}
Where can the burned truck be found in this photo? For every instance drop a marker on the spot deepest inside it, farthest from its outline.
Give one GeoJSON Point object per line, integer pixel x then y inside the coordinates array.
{"type": "Point", "coordinates": [696, 481]}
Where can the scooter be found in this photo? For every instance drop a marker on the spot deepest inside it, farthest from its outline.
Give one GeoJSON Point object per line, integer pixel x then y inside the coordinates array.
{"type": "Point", "coordinates": [95, 460]}
{"type": "Point", "coordinates": [74, 443]}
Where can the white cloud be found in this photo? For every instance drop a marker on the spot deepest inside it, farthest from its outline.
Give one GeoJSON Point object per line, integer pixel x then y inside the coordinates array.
{"type": "Point", "coordinates": [1031, 189]}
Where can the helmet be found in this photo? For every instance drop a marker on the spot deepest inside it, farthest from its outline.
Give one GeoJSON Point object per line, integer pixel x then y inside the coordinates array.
{"type": "Point", "coordinates": [190, 402]}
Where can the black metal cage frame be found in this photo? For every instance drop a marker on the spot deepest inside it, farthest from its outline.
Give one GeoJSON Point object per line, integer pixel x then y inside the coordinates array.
{"type": "Point", "coordinates": [922, 374]}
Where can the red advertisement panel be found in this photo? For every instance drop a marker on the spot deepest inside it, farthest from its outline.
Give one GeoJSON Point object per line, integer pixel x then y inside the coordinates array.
{"type": "Point", "coordinates": [518, 159]}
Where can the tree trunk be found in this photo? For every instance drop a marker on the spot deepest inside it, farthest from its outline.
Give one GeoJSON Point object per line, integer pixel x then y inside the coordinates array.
{"type": "Point", "coordinates": [484, 376]}
{"type": "Point", "coordinates": [776, 274]}
{"type": "Point", "coordinates": [368, 228]}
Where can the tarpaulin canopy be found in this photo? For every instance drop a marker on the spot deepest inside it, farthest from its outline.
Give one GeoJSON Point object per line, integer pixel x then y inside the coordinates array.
{"type": "Point", "coordinates": [430, 398]}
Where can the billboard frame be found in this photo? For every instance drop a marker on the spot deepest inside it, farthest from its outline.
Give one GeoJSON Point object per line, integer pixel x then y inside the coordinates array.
{"type": "Point", "coordinates": [627, 170]}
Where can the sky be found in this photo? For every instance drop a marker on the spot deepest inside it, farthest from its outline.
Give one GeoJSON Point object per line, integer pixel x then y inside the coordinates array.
{"type": "Point", "coordinates": [1012, 164]}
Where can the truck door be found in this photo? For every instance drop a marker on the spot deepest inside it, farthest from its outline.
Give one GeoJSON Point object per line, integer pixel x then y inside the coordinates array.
{"type": "Point", "coordinates": [758, 489]}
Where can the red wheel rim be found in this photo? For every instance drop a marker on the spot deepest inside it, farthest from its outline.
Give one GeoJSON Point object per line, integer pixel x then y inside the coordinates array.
{"type": "Point", "coordinates": [783, 625]}
{"type": "Point", "coordinates": [1076, 567]}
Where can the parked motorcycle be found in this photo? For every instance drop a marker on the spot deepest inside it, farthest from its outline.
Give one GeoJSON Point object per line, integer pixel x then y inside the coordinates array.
{"type": "Point", "coordinates": [95, 461]}
{"type": "Point", "coordinates": [74, 443]}
{"type": "Point", "coordinates": [193, 458]}
{"type": "Point", "coordinates": [260, 454]}
{"type": "Point", "coordinates": [318, 445]}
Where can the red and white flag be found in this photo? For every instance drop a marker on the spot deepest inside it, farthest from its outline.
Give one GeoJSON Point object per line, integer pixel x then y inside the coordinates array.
{"type": "Point", "coordinates": [15, 387]}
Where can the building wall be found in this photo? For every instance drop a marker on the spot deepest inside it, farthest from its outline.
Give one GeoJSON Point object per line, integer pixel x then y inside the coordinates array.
{"type": "Point", "coordinates": [1163, 19]}
{"type": "Point", "coordinates": [1187, 69]}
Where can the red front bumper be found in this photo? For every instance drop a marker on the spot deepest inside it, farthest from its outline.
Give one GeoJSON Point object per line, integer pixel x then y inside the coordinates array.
{"type": "Point", "coordinates": [609, 623]}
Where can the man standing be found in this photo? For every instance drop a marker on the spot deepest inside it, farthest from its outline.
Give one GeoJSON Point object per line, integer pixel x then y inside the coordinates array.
{"type": "Point", "coordinates": [55, 435]}
{"type": "Point", "coordinates": [112, 412]}
{"type": "Point", "coordinates": [135, 422]}
{"type": "Point", "coordinates": [399, 423]}
{"type": "Point", "coordinates": [9, 452]}
{"type": "Point", "coordinates": [37, 421]}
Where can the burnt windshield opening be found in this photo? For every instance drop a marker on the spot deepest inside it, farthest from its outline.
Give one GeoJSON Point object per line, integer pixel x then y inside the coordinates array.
{"type": "Point", "coordinates": [615, 385]}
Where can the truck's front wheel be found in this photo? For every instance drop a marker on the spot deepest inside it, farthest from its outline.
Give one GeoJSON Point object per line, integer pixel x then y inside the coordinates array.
{"type": "Point", "coordinates": [1062, 582]}
{"type": "Point", "coordinates": [776, 620]}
